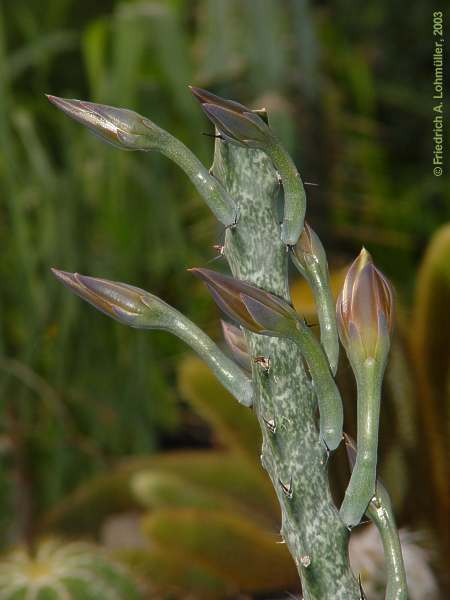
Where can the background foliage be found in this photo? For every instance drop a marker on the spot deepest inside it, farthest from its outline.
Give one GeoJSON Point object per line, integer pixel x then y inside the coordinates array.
{"type": "Point", "coordinates": [348, 89]}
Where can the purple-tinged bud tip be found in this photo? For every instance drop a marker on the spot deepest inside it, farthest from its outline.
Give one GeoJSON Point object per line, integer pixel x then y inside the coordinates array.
{"type": "Point", "coordinates": [255, 309]}
{"type": "Point", "coordinates": [120, 127]}
{"type": "Point", "coordinates": [365, 309]}
{"type": "Point", "coordinates": [237, 344]}
{"type": "Point", "coordinates": [235, 122]}
{"type": "Point", "coordinates": [125, 303]}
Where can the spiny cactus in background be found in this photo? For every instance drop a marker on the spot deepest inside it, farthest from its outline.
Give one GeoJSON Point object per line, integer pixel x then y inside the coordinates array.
{"type": "Point", "coordinates": [292, 373]}
{"type": "Point", "coordinates": [59, 570]}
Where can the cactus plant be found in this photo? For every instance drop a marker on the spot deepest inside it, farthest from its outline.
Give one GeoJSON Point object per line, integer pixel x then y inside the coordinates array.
{"type": "Point", "coordinates": [59, 570]}
{"type": "Point", "coordinates": [292, 372]}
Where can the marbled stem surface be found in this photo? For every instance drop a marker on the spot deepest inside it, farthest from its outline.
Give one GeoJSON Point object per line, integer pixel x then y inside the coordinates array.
{"type": "Point", "coordinates": [284, 402]}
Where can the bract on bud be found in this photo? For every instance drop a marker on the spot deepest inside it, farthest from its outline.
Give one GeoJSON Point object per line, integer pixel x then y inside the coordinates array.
{"type": "Point", "coordinates": [255, 309]}
{"type": "Point", "coordinates": [237, 343]}
{"type": "Point", "coordinates": [124, 303]}
{"type": "Point", "coordinates": [309, 251]}
{"type": "Point", "coordinates": [308, 255]}
{"type": "Point", "coordinates": [365, 310]}
{"type": "Point", "coordinates": [235, 122]}
{"type": "Point", "coordinates": [120, 127]}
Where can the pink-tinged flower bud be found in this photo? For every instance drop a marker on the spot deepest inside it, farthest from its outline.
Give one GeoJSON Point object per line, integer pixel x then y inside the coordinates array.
{"type": "Point", "coordinates": [365, 311]}
{"type": "Point", "coordinates": [255, 309]}
{"type": "Point", "coordinates": [309, 251]}
{"type": "Point", "coordinates": [120, 127]}
{"type": "Point", "coordinates": [235, 122]}
{"type": "Point", "coordinates": [124, 303]}
{"type": "Point", "coordinates": [237, 344]}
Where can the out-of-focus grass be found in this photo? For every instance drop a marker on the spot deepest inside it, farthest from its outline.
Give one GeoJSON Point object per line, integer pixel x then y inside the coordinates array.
{"type": "Point", "coordinates": [68, 200]}
{"type": "Point", "coordinates": [76, 391]}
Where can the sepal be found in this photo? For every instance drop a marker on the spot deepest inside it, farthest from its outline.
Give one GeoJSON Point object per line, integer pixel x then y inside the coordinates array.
{"type": "Point", "coordinates": [120, 127]}
{"type": "Point", "coordinates": [125, 303]}
{"type": "Point", "coordinates": [235, 122]}
{"type": "Point", "coordinates": [253, 308]}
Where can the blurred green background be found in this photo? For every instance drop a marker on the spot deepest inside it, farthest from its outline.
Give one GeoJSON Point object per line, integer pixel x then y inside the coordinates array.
{"type": "Point", "coordinates": [348, 90]}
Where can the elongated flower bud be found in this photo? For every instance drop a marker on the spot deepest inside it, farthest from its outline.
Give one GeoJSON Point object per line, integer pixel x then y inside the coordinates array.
{"type": "Point", "coordinates": [120, 127]}
{"type": "Point", "coordinates": [240, 125]}
{"type": "Point", "coordinates": [237, 344]}
{"type": "Point", "coordinates": [124, 303]}
{"type": "Point", "coordinates": [127, 130]}
{"type": "Point", "coordinates": [308, 255]}
{"type": "Point", "coordinates": [365, 311]}
{"type": "Point", "coordinates": [137, 308]}
{"type": "Point", "coordinates": [379, 510]}
{"type": "Point", "coordinates": [266, 314]}
{"type": "Point", "coordinates": [255, 309]}
{"type": "Point", "coordinates": [365, 318]}
{"type": "Point", "coordinates": [235, 122]}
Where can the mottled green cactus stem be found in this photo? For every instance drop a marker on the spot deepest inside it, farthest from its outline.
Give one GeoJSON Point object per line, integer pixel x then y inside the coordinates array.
{"type": "Point", "coordinates": [292, 388]}
{"type": "Point", "coordinates": [285, 401]}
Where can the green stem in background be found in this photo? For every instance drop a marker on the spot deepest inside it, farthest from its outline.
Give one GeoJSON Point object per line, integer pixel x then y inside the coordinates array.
{"type": "Point", "coordinates": [139, 309]}
{"type": "Point", "coordinates": [328, 396]}
{"type": "Point", "coordinates": [294, 192]}
{"type": "Point", "coordinates": [381, 514]}
{"type": "Point", "coordinates": [309, 257]}
{"type": "Point", "coordinates": [361, 487]}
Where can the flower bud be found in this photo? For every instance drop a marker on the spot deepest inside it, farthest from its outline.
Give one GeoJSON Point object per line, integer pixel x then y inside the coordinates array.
{"type": "Point", "coordinates": [124, 303]}
{"type": "Point", "coordinates": [365, 311]}
{"type": "Point", "coordinates": [237, 344]}
{"type": "Point", "coordinates": [255, 309]}
{"type": "Point", "coordinates": [235, 122]}
{"type": "Point", "coordinates": [309, 252]}
{"type": "Point", "coordinates": [308, 255]}
{"type": "Point", "coordinates": [120, 127]}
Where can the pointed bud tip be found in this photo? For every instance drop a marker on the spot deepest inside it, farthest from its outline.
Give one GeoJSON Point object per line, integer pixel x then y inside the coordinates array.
{"type": "Point", "coordinates": [63, 275]}
{"type": "Point", "coordinates": [58, 101]}
{"type": "Point", "coordinates": [55, 100]}
{"type": "Point", "coordinates": [364, 256]}
{"type": "Point", "coordinates": [201, 95]}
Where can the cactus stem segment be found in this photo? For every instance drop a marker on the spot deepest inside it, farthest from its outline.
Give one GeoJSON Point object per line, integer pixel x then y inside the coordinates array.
{"type": "Point", "coordinates": [328, 396]}
{"type": "Point", "coordinates": [294, 192]}
{"type": "Point", "coordinates": [361, 487]}
{"type": "Point", "coordinates": [381, 514]}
